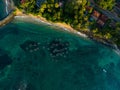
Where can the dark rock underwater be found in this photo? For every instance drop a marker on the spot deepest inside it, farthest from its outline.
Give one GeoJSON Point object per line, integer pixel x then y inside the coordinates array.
{"type": "Point", "coordinates": [41, 57]}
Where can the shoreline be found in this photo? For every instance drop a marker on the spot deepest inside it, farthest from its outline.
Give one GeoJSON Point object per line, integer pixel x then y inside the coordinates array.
{"type": "Point", "coordinates": [84, 34]}
{"type": "Point", "coordinates": [8, 19]}
{"type": "Point", "coordinates": [66, 27]}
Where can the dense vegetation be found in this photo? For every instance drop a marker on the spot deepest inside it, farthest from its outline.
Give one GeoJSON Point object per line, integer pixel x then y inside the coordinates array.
{"type": "Point", "coordinates": [69, 11]}
{"type": "Point", "coordinates": [74, 13]}
{"type": "Point", "coordinates": [105, 4]}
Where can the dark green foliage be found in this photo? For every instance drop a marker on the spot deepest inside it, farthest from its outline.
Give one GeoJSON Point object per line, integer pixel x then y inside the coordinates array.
{"type": "Point", "coordinates": [29, 6]}
{"type": "Point", "coordinates": [17, 2]}
{"type": "Point", "coordinates": [105, 4]}
{"type": "Point", "coordinates": [71, 12]}
{"type": "Point", "coordinates": [74, 13]}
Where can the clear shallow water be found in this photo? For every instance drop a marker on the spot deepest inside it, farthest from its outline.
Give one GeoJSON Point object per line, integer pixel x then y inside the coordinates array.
{"type": "Point", "coordinates": [87, 66]}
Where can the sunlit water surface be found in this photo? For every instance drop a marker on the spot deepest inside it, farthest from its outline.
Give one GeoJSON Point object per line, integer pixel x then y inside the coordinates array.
{"type": "Point", "coordinates": [84, 65]}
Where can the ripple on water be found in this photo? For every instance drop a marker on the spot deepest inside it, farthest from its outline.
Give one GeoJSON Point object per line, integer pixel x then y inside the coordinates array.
{"type": "Point", "coordinates": [82, 68]}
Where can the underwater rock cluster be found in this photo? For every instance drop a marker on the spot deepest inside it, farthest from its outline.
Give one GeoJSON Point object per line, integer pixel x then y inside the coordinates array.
{"type": "Point", "coordinates": [58, 48]}
{"type": "Point", "coordinates": [30, 46]}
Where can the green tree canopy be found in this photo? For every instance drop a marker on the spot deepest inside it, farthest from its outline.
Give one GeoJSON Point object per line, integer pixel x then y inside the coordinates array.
{"type": "Point", "coordinates": [105, 4]}
{"type": "Point", "coordinates": [29, 5]}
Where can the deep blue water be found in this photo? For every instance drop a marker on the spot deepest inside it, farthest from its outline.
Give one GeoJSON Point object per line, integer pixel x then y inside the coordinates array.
{"type": "Point", "coordinates": [86, 65]}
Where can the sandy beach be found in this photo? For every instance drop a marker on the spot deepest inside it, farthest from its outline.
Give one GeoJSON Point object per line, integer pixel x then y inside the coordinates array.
{"type": "Point", "coordinates": [57, 24]}
{"type": "Point", "coordinates": [7, 19]}
{"type": "Point", "coordinates": [64, 26]}
{"type": "Point", "coordinates": [70, 29]}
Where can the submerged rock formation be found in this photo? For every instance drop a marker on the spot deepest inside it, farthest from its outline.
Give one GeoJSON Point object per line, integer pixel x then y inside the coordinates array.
{"type": "Point", "coordinates": [58, 48]}
{"type": "Point", "coordinates": [30, 46]}
{"type": "Point", "coordinates": [5, 60]}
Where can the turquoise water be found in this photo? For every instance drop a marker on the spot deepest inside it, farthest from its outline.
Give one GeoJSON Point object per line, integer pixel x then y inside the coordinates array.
{"type": "Point", "coordinates": [87, 65]}
{"type": "Point", "coordinates": [2, 9]}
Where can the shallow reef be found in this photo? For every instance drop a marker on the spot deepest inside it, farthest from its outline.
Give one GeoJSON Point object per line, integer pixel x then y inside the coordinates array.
{"type": "Point", "coordinates": [57, 47]}
{"type": "Point", "coordinates": [30, 46]}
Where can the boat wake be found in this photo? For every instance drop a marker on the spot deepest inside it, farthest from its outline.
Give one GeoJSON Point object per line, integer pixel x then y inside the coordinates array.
{"type": "Point", "coordinates": [6, 2]}
{"type": "Point", "coordinates": [8, 6]}
{"type": "Point", "coordinates": [116, 49]}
